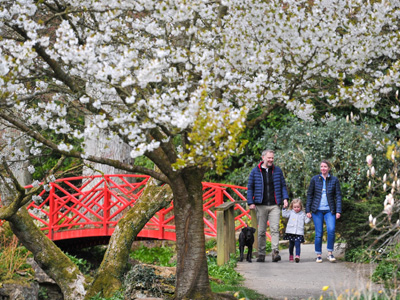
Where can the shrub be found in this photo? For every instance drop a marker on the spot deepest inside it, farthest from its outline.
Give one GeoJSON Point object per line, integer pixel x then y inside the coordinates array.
{"type": "Point", "coordinates": [155, 255]}
{"type": "Point", "coordinates": [12, 257]}
{"type": "Point", "coordinates": [226, 273]}
{"type": "Point", "coordinates": [384, 236]}
{"type": "Point", "coordinates": [300, 146]}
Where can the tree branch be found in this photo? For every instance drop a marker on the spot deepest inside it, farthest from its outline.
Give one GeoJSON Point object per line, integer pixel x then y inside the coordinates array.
{"type": "Point", "coordinates": [77, 154]}
{"type": "Point", "coordinates": [254, 122]}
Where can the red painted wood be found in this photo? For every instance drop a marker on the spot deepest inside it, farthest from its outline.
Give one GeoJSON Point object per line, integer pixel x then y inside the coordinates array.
{"type": "Point", "coordinates": [87, 207]}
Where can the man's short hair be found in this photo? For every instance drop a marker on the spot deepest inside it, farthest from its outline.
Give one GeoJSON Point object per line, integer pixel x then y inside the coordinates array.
{"type": "Point", "coordinates": [267, 151]}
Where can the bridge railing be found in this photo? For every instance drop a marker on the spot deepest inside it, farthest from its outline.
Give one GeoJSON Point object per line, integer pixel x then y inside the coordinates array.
{"type": "Point", "coordinates": [91, 206]}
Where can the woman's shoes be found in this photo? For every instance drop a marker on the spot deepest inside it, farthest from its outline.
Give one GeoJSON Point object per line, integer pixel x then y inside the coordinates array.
{"type": "Point", "coordinates": [291, 258]}
{"type": "Point", "coordinates": [331, 258]}
{"type": "Point", "coordinates": [297, 259]}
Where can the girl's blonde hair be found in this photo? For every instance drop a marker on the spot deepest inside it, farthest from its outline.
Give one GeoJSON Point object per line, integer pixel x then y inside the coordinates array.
{"type": "Point", "coordinates": [295, 201]}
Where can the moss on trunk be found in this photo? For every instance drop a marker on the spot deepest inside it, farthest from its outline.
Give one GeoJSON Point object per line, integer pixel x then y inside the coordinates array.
{"type": "Point", "coordinates": [48, 256]}
{"type": "Point", "coordinates": [192, 269]}
{"type": "Point", "coordinates": [114, 265]}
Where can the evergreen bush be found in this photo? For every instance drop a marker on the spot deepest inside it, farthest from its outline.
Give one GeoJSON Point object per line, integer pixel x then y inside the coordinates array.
{"type": "Point", "coordinates": [300, 146]}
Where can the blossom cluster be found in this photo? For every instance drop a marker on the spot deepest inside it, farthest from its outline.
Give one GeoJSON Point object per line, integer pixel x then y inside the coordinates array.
{"type": "Point", "coordinates": [154, 72]}
{"type": "Point", "coordinates": [389, 204]}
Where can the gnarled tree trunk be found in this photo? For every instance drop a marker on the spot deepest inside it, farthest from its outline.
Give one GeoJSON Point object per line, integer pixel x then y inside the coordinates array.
{"type": "Point", "coordinates": [192, 270]}
{"type": "Point", "coordinates": [48, 256]}
{"type": "Point", "coordinates": [114, 265]}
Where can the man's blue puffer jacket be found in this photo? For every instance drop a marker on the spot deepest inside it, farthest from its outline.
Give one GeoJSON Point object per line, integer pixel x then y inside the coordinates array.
{"type": "Point", "coordinates": [333, 194]}
{"type": "Point", "coordinates": [255, 186]}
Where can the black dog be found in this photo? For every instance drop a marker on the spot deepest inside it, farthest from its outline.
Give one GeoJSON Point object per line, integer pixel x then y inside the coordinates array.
{"type": "Point", "coordinates": [246, 238]}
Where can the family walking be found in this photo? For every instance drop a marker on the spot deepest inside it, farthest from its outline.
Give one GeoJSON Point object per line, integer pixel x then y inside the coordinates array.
{"type": "Point", "coordinates": [266, 191]}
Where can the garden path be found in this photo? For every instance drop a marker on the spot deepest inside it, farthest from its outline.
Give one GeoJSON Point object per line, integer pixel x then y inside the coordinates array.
{"type": "Point", "coordinates": [306, 279]}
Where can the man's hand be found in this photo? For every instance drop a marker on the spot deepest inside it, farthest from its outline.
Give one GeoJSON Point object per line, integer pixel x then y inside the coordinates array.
{"type": "Point", "coordinates": [252, 206]}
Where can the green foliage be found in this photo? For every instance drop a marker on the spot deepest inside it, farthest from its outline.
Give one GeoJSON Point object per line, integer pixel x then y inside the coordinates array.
{"type": "Point", "coordinates": [300, 146]}
{"type": "Point", "coordinates": [43, 293]}
{"type": "Point", "coordinates": [117, 296]}
{"type": "Point", "coordinates": [144, 162]}
{"type": "Point", "coordinates": [252, 152]}
{"type": "Point", "coordinates": [268, 247]}
{"type": "Point", "coordinates": [239, 291]}
{"type": "Point", "coordinates": [226, 273]}
{"type": "Point", "coordinates": [155, 255]}
{"type": "Point", "coordinates": [82, 264]}
{"type": "Point", "coordinates": [13, 257]}
{"type": "Point", "coordinates": [388, 269]}
{"type": "Point", "coordinates": [143, 278]}
{"type": "Point", "coordinates": [211, 244]}
{"type": "Point", "coordinates": [44, 163]}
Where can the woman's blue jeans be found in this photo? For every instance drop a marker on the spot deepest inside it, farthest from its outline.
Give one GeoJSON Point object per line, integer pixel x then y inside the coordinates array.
{"type": "Point", "coordinates": [330, 220]}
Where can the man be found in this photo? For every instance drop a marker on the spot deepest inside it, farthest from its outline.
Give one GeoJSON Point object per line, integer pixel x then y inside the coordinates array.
{"type": "Point", "coordinates": [266, 190]}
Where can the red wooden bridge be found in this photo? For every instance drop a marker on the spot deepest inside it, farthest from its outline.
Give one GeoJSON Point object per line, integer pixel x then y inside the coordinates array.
{"type": "Point", "coordinates": [85, 210]}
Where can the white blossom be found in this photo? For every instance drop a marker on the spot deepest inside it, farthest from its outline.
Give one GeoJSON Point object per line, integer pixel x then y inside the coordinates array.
{"type": "Point", "coordinates": [37, 199]}
{"type": "Point", "coordinates": [369, 159]}
{"type": "Point", "coordinates": [36, 184]}
{"type": "Point", "coordinates": [31, 169]}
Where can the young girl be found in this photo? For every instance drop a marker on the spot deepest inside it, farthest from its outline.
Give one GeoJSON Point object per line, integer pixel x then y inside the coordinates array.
{"type": "Point", "coordinates": [295, 227]}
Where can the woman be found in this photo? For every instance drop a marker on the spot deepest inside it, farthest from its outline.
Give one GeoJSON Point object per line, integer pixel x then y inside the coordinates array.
{"type": "Point", "coordinates": [324, 203]}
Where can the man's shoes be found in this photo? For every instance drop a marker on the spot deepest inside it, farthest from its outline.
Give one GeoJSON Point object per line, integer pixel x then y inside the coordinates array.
{"type": "Point", "coordinates": [331, 258]}
{"type": "Point", "coordinates": [275, 256]}
{"type": "Point", "coordinates": [297, 259]}
{"type": "Point", "coordinates": [319, 259]}
{"type": "Point", "coordinates": [261, 258]}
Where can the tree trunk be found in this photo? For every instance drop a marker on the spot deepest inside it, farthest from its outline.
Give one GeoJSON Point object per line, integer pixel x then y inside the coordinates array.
{"type": "Point", "coordinates": [103, 146]}
{"type": "Point", "coordinates": [48, 256]}
{"type": "Point", "coordinates": [15, 157]}
{"type": "Point", "coordinates": [109, 277]}
{"type": "Point", "coordinates": [191, 271]}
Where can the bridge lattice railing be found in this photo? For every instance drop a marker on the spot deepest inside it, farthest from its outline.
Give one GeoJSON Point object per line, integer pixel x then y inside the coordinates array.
{"type": "Point", "coordinates": [91, 206]}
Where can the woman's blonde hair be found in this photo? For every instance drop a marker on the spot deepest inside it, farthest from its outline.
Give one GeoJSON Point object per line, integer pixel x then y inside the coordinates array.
{"type": "Point", "coordinates": [295, 201]}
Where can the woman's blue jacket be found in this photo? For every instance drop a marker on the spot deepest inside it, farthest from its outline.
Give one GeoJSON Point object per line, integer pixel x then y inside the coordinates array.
{"type": "Point", "coordinates": [255, 186]}
{"type": "Point", "coordinates": [333, 194]}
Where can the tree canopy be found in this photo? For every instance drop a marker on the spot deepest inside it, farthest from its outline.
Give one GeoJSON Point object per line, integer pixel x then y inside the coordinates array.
{"type": "Point", "coordinates": [178, 82]}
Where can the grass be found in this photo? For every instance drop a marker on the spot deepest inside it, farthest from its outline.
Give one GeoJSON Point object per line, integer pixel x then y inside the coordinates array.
{"type": "Point", "coordinates": [13, 258]}
{"type": "Point", "coordinates": [160, 256]}
{"type": "Point", "coordinates": [355, 295]}
{"type": "Point", "coordinates": [224, 279]}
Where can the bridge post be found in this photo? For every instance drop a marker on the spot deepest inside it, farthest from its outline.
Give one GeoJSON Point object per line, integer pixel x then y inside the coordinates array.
{"type": "Point", "coordinates": [52, 211]}
{"type": "Point", "coordinates": [106, 206]}
{"type": "Point", "coordinates": [226, 241]}
{"type": "Point", "coordinates": [254, 224]}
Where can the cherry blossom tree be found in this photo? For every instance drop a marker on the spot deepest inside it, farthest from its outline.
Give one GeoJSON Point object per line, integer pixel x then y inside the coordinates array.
{"type": "Point", "coordinates": [176, 81]}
